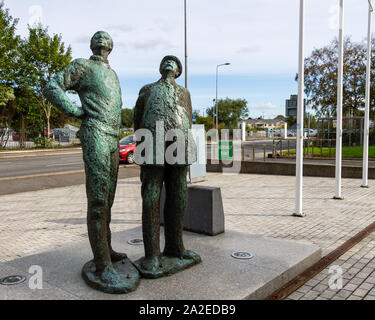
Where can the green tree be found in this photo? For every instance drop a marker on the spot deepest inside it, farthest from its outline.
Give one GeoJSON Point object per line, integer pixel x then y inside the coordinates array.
{"type": "Point", "coordinates": [7, 112]}
{"type": "Point", "coordinates": [127, 118]}
{"type": "Point", "coordinates": [207, 121]}
{"type": "Point", "coordinates": [6, 94]}
{"type": "Point", "coordinates": [28, 117]}
{"type": "Point", "coordinates": [9, 43]}
{"type": "Point", "coordinates": [372, 87]}
{"type": "Point", "coordinates": [230, 111]}
{"type": "Point", "coordinates": [42, 57]}
{"type": "Point", "coordinates": [313, 122]}
{"type": "Point", "coordinates": [291, 121]}
{"type": "Point", "coordinates": [321, 78]}
{"type": "Point", "coordinates": [195, 113]}
{"type": "Point", "coordinates": [9, 56]}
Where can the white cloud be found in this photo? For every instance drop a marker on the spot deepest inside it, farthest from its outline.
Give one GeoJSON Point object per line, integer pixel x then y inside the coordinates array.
{"type": "Point", "coordinates": [264, 107]}
{"type": "Point", "coordinates": [267, 110]}
{"type": "Point", "coordinates": [152, 44]}
{"type": "Point", "coordinates": [258, 36]}
{"type": "Point", "coordinates": [248, 49]}
{"type": "Point", "coordinates": [120, 28]}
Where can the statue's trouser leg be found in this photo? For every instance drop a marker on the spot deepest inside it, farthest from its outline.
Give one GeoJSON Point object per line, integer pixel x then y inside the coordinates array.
{"type": "Point", "coordinates": [114, 158]}
{"type": "Point", "coordinates": [174, 210]}
{"type": "Point", "coordinates": [96, 155]}
{"type": "Point", "coordinates": [152, 183]}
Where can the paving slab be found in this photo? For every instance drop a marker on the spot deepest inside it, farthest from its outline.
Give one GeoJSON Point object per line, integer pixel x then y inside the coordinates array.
{"type": "Point", "coordinates": [219, 276]}
{"type": "Point", "coordinates": [22, 291]}
{"type": "Point", "coordinates": [48, 220]}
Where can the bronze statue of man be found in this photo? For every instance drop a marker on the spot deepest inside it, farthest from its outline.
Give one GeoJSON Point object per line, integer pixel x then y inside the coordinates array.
{"type": "Point", "coordinates": [170, 104]}
{"type": "Point", "coordinates": [100, 94]}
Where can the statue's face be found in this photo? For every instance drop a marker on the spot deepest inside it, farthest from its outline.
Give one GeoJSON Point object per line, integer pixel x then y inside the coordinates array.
{"type": "Point", "coordinates": [101, 41]}
{"type": "Point", "coordinates": [169, 65]}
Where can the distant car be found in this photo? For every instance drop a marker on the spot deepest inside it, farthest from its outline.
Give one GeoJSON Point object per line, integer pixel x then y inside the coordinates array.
{"type": "Point", "coordinates": [291, 133]}
{"type": "Point", "coordinates": [312, 132]}
{"type": "Point", "coordinates": [127, 148]}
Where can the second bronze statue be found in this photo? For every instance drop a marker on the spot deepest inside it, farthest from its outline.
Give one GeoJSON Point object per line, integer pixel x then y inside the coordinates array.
{"type": "Point", "coordinates": [167, 103]}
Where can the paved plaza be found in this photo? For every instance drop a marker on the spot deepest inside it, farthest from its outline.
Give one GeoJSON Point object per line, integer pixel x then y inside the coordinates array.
{"type": "Point", "coordinates": [41, 221]}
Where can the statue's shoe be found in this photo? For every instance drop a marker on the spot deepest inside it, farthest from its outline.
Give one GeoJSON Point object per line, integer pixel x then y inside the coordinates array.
{"type": "Point", "coordinates": [121, 277]}
{"type": "Point", "coordinates": [118, 256]}
{"type": "Point", "coordinates": [163, 265]}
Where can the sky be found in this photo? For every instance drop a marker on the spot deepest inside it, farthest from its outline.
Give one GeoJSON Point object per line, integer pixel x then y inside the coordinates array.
{"type": "Point", "coordinates": [259, 38]}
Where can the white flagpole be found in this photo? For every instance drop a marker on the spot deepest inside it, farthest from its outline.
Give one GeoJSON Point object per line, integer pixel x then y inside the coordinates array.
{"type": "Point", "coordinates": [186, 49]}
{"type": "Point", "coordinates": [338, 194]}
{"type": "Point", "coordinates": [367, 106]}
{"type": "Point", "coordinates": [300, 113]}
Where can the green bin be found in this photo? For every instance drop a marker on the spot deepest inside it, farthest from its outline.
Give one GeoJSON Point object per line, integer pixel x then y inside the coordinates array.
{"type": "Point", "coordinates": [225, 150]}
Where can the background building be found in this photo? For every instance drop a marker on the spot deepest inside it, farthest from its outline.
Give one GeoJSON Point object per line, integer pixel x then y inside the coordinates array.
{"type": "Point", "coordinates": [266, 124]}
{"type": "Point", "coordinates": [262, 128]}
{"type": "Point", "coordinates": [291, 106]}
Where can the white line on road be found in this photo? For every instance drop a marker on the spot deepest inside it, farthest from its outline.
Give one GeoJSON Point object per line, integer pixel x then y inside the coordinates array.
{"type": "Point", "coordinates": [2, 156]}
{"type": "Point", "coordinates": [64, 164]}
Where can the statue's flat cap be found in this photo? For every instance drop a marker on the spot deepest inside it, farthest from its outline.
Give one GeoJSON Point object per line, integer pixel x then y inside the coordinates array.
{"type": "Point", "coordinates": [174, 58]}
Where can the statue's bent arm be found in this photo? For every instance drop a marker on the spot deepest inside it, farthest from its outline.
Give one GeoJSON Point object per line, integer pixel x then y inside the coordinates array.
{"type": "Point", "coordinates": [138, 110]}
{"type": "Point", "coordinates": [190, 109]}
{"type": "Point", "coordinates": [68, 79]}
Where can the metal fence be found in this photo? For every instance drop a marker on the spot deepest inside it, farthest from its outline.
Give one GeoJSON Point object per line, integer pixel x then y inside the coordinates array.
{"type": "Point", "coordinates": [312, 148]}
{"type": "Point", "coordinates": [352, 134]}
{"type": "Point", "coordinates": [255, 152]}
{"type": "Point", "coordinates": [11, 139]}
{"type": "Point", "coordinates": [28, 139]}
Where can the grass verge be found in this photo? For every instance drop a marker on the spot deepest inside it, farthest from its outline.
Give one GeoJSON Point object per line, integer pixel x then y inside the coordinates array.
{"type": "Point", "coordinates": [347, 152]}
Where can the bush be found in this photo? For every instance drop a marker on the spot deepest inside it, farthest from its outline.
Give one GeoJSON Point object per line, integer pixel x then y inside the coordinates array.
{"type": "Point", "coordinates": [256, 129]}
{"type": "Point", "coordinates": [41, 142]}
{"type": "Point", "coordinates": [125, 134]}
{"type": "Point", "coordinates": [372, 137]}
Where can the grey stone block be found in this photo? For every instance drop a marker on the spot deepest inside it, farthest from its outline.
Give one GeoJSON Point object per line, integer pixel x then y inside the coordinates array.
{"type": "Point", "coordinates": [204, 211]}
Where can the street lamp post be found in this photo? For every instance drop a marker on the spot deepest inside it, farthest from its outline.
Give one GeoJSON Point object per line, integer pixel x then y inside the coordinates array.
{"type": "Point", "coordinates": [300, 113]}
{"type": "Point", "coordinates": [216, 104]}
{"type": "Point", "coordinates": [367, 106]}
{"type": "Point", "coordinates": [213, 111]}
{"type": "Point", "coordinates": [338, 174]}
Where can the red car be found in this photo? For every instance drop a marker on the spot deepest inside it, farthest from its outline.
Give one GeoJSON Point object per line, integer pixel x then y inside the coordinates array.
{"type": "Point", "coordinates": [127, 148]}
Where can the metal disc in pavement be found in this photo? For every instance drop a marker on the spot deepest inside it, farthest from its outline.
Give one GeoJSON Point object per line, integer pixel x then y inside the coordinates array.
{"type": "Point", "coordinates": [12, 280]}
{"type": "Point", "coordinates": [136, 242]}
{"type": "Point", "coordinates": [242, 255]}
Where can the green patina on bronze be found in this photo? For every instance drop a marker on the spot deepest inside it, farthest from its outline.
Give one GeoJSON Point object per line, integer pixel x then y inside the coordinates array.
{"type": "Point", "coordinates": [165, 101]}
{"type": "Point", "coordinates": [100, 94]}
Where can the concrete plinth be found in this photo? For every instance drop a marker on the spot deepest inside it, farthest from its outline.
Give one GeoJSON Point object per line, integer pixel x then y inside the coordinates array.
{"type": "Point", "coordinates": [219, 276]}
{"type": "Point", "coordinates": [204, 210]}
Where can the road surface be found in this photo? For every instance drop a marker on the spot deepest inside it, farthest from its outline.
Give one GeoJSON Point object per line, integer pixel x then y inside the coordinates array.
{"type": "Point", "coordinates": [41, 163]}
{"type": "Point", "coordinates": [30, 171]}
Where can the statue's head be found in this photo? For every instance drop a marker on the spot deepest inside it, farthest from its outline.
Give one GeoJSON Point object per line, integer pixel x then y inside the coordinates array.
{"type": "Point", "coordinates": [101, 41]}
{"type": "Point", "coordinates": [171, 63]}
